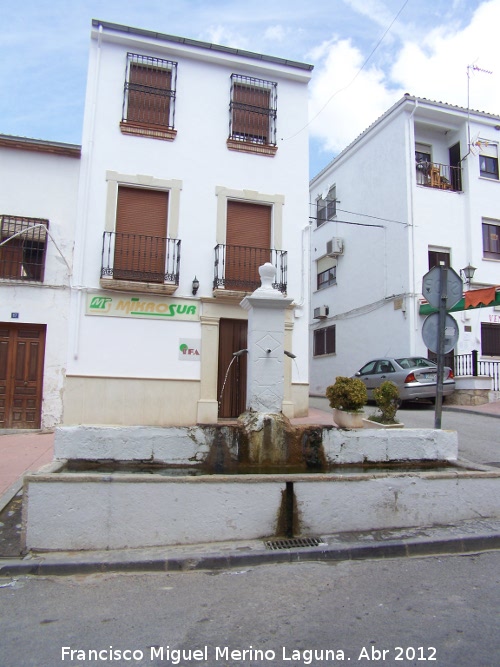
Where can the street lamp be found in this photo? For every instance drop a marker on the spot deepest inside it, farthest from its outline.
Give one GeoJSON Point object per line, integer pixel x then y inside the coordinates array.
{"type": "Point", "coordinates": [468, 274]}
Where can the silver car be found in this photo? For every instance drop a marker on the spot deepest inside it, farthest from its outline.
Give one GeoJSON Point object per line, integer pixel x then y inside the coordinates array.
{"type": "Point", "coordinates": [415, 377]}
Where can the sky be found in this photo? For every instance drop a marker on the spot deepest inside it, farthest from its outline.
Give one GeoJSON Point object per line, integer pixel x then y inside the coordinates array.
{"type": "Point", "coordinates": [366, 55]}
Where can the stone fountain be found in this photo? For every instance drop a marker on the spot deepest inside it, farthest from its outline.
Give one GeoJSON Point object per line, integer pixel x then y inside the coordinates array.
{"type": "Point", "coordinates": [117, 487]}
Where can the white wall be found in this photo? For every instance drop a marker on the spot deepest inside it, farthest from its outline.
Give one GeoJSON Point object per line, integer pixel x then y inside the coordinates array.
{"type": "Point", "coordinates": [43, 185]}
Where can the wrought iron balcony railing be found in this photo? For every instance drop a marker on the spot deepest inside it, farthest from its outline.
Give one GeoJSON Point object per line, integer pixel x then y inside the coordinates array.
{"type": "Point", "coordinates": [140, 258]}
{"type": "Point", "coordinates": [441, 176]}
{"type": "Point", "coordinates": [237, 267]}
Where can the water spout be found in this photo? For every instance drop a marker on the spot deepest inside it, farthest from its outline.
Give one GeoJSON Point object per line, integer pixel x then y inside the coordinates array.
{"type": "Point", "coordinates": [290, 354]}
{"type": "Point", "coordinates": [240, 352]}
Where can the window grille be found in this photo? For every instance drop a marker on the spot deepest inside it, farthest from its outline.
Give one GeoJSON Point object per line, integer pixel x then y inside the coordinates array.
{"type": "Point", "coordinates": [253, 110]}
{"type": "Point", "coordinates": [149, 91]}
{"type": "Point", "coordinates": [326, 209]}
{"type": "Point", "coordinates": [22, 248]}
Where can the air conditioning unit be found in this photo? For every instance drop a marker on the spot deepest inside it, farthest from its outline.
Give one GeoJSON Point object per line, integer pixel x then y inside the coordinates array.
{"type": "Point", "coordinates": [321, 312]}
{"type": "Point", "coordinates": [335, 247]}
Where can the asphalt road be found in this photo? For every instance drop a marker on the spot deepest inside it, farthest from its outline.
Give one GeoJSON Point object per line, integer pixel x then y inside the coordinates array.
{"type": "Point", "coordinates": [436, 611]}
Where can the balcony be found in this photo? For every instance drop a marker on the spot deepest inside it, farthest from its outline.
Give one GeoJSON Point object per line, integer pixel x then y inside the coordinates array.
{"type": "Point", "coordinates": [136, 262]}
{"type": "Point", "coordinates": [237, 268]}
{"type": "Point", "coordinates": [439, 176]}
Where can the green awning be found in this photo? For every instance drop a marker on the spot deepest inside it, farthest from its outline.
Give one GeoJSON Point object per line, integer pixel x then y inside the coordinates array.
{"type": "Point", "coordinates": [427, 309]}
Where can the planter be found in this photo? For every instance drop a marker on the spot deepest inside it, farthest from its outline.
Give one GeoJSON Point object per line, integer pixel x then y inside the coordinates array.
{"type": "Point", "coordinates": [345, 419]}
{"type": "Point", "coordinates": [368, 423]}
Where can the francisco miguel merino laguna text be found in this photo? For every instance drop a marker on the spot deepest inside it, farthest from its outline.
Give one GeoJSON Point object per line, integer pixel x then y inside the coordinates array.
{"type": "Point", "coordinates": [174, 656]}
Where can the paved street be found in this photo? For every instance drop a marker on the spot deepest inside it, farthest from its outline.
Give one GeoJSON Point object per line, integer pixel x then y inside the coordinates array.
{"type": "Point", "coordinates": [439, 611]}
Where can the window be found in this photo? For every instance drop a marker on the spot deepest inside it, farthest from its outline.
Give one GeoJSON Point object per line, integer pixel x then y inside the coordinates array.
{"type": "Point", "coordinates": [149, 97]}
{"type": "Point", "coordinates": [22, 255]}
{"type": "Point", "coordinates": [324, 341]}
{"type": "Point", "coordinates": [438, 256]}
{"type": "Point", "coordinates": [491, 240]}
{"type": "Point", "coordinates": [252, 115]}
{"type": "Point", "coordinates": [140, 245]}
{"type": "Point", "coordinates": [488, 160]}
{"type": "Point", "coordinates": [326, 268]}
{"type": "Point", "coordinates": [423, 161]}
{"type": "Point", "coordinates": [490, 339]}
{"type": "Point", "coordinates": [326, 209]}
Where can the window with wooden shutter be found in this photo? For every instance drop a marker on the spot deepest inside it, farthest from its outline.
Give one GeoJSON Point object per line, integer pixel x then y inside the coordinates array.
{"type": "Point", "coordinates": [141, 235]}
{"type": "Point", "coordinates": [149, 97]}
{"type": "Point", "coordinates": [252, 117]}
{"type": "Point", "coordinates": [248, 243]}
{"type": "Point", "coordinates": [324, 341]}
{"type": "Point", "coordinates": [22, 253]}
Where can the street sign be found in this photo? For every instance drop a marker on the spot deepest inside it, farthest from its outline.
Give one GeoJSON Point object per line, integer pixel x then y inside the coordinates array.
{"type": "Point", "coordinates": [432, 291]}
{"type": "Point", "coordinates": [430, 333]}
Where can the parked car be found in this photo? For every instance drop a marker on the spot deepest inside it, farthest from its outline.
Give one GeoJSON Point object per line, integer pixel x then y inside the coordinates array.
{"type": "Point", "coordinates": [415, 377]}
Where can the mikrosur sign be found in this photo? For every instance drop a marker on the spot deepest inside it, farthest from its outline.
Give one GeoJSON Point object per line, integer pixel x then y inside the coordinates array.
{"type": "Point", "coordinates": [141, 307]}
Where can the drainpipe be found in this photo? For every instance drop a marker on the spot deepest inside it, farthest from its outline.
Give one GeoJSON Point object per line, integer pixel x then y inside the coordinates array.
{"type": "Point", "coordinates": [411, 145]}
{"type": "Point", "coordinates": [83, 199]}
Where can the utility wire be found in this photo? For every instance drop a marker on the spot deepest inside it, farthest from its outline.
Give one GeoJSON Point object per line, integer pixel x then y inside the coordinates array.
{"type": "Point", "coordinates": [340, 90]}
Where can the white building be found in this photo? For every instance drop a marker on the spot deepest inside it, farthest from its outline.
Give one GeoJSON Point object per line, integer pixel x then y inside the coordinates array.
{"type": "Point", "coordinates": [38, 191]}
{"type": "Point", "coordinates": [419, 186]}
{"type": "Point", "coordinates": [193, 175]}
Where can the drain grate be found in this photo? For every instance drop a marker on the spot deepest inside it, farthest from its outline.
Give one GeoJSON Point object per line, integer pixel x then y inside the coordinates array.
{"type": "Point", "coordinates": [293, 543]}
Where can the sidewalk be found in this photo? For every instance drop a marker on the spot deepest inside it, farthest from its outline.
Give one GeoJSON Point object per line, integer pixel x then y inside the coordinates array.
{"type": "Point", "coordinates": [20, 453]}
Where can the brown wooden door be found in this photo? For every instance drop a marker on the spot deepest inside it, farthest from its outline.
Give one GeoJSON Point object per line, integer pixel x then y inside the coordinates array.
{"type": "Point", "coordinates": [232, 385]}
{"type": "Point", "coordinates": [22, 349]}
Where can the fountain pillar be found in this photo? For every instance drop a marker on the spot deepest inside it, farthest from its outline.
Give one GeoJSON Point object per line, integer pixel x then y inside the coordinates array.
{"type": "Point", "coordinates": [266, 335]}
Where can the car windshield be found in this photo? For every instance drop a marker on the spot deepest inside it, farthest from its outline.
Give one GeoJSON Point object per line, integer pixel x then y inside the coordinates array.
{"type": "Point", "coordinates": [415, 362]}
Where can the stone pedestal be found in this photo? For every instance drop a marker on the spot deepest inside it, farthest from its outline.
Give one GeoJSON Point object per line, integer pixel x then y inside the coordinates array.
{"type": "Point", "coordinates": [266, 333]}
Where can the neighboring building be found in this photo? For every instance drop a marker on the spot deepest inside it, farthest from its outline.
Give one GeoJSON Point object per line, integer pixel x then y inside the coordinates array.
{"type": "Point", "coordinates": [419, 186]}
{"type": "Point", "coordinates": [38, 191]}
{"type": "Point", "coordinates": [193, 174]}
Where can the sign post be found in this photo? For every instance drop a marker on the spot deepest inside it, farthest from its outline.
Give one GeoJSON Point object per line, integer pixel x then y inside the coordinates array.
{"type": "Point", "coordinates": [443, 288]}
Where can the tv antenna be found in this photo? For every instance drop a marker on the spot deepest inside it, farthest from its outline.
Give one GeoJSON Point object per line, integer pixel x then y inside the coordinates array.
{"type": "Point", "coordinates": [472, 68]}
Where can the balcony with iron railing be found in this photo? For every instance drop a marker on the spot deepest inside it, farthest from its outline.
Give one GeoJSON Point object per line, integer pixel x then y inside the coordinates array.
{"type": "Point", "coordinates": [237, 268]}
{"type": "Point", "coordinates": [140, 262]}
{"type": "Point", "coordinates": [439, 176]}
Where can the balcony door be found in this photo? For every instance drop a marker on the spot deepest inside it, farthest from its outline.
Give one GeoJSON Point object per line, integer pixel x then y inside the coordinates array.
{"type": "Point", "coordinates": [141, 235]}
{"type": "Point", "coordinates": [248, 244]}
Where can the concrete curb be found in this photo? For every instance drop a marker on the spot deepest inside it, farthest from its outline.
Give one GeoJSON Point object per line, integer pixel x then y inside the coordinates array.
{"type": "Point", "coordinates": [126, 562]}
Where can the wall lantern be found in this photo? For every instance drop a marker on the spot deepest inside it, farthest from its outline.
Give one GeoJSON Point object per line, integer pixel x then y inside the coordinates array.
{"type": "Point", "coordinates": [196, 284]}
{"type": "Point", "coordinates": [468, 274]}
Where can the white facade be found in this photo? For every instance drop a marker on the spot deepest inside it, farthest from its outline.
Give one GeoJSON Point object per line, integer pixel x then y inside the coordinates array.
{"type": "Point", "coordinates": [39, 181]}
{"type": "Point", "coordinates": [395, 218]}
{"type": "Point", "coordinates": [128, 369]}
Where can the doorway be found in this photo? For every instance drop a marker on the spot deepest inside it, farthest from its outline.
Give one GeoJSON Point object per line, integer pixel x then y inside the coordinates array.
{"type": "Point", "coordinates": [232, 338]}
{"type": "Point", "coordinates": [22, 351]}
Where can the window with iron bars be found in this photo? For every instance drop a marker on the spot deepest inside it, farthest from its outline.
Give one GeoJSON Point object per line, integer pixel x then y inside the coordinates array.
{"type": "Point", "coordinates": [149, 96]}
{"type": "Point", "coordinates": [23, 243]}
{"type": "Point", "coordinates": [326, 209]}
{"type": "Point", "coordinates": [253, 111]}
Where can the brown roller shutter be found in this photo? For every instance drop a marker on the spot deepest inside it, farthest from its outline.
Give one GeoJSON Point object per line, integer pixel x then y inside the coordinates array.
{"type": "Point", "coordinates": [248, 243]}
{"type": "Point", "coordinates": [148, 101]}
{"type": "Point", "coordinates": [251, 113]}
{"type": "Point", "coordinates": [141, 235]}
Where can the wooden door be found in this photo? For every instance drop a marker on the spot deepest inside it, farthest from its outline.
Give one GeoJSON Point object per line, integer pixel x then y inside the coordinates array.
{"type": "Point", "coordinates": [22, 349]}
{"type": "Point", "coordinates": [232, 371]}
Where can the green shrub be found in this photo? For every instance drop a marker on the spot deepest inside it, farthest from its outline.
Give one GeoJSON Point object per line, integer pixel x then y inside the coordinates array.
{"type": "Point", "coordinates": [387, 399]}
{"type": "Point", "coordinates": [347, 394]}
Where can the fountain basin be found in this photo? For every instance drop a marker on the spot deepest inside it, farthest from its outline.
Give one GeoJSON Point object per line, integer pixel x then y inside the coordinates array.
{"type": "Point", "coordinates": [89, 510]}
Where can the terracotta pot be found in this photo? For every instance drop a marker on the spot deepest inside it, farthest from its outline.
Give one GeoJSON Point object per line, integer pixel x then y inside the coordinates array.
{"type": "Point", "coordinates": [345, 419]}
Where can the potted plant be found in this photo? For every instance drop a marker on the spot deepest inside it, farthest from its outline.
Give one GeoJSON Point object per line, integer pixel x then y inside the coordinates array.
{"type": "Point", "coordinates": [387, 399]}
{"type": "Point", "coordinates": [347, 398]}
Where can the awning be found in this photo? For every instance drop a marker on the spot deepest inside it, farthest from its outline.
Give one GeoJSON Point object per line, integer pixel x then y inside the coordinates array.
{"type": "Point", "coordinates": [477, 298]}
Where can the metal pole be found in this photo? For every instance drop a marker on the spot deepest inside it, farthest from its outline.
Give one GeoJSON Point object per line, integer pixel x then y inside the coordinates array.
{"type": "Point", "coordinates": [443, 298]}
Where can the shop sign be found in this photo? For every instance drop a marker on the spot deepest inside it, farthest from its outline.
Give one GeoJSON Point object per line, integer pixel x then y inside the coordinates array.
{"type": "Point", "coordinates": [142, 307]}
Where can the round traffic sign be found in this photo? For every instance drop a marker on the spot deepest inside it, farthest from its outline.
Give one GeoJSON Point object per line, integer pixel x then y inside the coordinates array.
{"type": "Point", "coordinates": [430, 333]}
